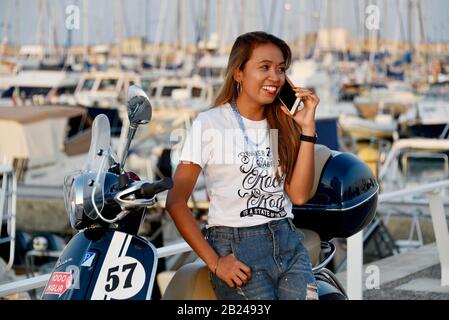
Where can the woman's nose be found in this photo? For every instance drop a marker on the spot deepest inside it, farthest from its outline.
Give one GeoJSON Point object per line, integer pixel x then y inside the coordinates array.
{"type": "Point", "coordinates": [274, 75]}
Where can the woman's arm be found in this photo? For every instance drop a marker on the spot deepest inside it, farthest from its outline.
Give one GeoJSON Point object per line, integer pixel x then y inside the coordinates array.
{"type": "Point", "coordinates": [229, 269]}
{"type": "Point", "coordinates": [298, 190]}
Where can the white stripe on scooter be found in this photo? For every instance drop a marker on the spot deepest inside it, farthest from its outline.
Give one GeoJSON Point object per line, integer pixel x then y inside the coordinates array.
{"type": "Point", "coordinates": [118, 247]}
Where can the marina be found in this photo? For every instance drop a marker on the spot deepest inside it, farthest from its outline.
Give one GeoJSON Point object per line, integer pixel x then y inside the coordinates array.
{"type": "Point", "coordinates": [384, 101]}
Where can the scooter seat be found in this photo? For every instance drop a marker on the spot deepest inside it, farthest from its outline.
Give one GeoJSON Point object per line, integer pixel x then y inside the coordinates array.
{"type": "Point", "coordinates": [191, 281]}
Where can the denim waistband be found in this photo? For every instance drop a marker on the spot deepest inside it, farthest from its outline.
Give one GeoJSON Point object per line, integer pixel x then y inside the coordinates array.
{"type": "Point", "coordinates": [236, 233]}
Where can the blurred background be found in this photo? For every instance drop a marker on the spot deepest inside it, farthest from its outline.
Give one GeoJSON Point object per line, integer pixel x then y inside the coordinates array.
{"type": "Point", "coordinates": [380, 69]}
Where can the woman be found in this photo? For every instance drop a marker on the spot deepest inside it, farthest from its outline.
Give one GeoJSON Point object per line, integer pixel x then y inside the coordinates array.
{"type": "Point", "coordinates": [252, 248]}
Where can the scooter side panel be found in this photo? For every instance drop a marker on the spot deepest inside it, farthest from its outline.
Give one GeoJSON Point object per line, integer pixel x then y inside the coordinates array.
{"type": "Point", "coordinates": [103, 265]}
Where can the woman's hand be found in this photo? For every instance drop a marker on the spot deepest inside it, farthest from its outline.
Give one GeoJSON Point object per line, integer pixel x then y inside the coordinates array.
{"type": "Point", "coordinates": [305, 117]}
{"type": "Point", "coordinates": [232, 271]}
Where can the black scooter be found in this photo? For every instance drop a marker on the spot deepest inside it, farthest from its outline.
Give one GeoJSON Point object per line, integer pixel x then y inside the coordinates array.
{"type": "Point", "coordinates": [107, 259]}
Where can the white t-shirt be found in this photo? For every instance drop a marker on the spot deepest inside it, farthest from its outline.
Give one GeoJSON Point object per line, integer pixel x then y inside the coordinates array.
{"type": "Point", "coordinates": [239, 176]}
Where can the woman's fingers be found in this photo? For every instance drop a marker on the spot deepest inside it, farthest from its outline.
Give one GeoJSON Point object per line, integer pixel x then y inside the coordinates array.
{"type": "Point", "coordinates": [237, 281]}
{"type": "Point", "coordinates": [308, 96]}
{"type": "Point", "coordinates": [230, 283]}
{"type": "Point", "coordinates": [234, 272]}
{"type": "Point", "coordinates": [302, 90]}
{"type": "Point", "coordinates": [303, 94]}
{"type": "Point", "coordinates": [245, 269]}
{"type": "Point", "coordinates": [242, 276]}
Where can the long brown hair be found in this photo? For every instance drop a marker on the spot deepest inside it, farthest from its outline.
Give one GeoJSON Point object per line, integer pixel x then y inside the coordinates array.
{"type": "Point", "coordinates": [288, 130]}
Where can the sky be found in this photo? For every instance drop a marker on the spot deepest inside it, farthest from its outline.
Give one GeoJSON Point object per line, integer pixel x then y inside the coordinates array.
{"type": "Point", "coordinates": [161, 21]}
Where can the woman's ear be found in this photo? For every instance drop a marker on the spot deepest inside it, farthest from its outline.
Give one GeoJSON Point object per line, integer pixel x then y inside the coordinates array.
{"type": "Point", "coordinates": [238, 75]}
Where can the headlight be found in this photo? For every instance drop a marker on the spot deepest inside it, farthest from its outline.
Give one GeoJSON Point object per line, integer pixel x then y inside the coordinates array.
{"type": "Point", "coordinates": [73, 198]}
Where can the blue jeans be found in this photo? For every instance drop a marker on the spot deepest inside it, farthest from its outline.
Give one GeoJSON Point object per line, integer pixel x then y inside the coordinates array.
{"type": "Point", "coordinates": [279, 262]}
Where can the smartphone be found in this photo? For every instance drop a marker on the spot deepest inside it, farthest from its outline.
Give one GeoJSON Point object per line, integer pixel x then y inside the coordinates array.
{"type": "Point", "coordinates": [288, 98]}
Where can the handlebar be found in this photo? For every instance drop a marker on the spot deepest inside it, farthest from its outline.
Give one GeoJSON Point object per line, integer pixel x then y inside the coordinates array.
{"type": "Point", "coordinates": [150, 189]}
{"type": "Point", "coordinates": [141, 193]}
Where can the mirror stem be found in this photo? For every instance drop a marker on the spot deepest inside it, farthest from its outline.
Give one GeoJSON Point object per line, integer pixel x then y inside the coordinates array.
{"type": "Point", "coordinates": [131, 132]}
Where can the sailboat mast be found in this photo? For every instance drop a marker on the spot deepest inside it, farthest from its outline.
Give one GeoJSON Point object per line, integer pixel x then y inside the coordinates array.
{"type": "Point", "coordinates": [423, 40]}
{"type": "Point", "coordinates": [118, 31]}
{"type": "Point", "coordinates": [272, 15]}
{"type": "Point", "coordinates": [219, 12]}
{"type": "Point", "coordinates": [51, 40]}
{"type": "Point", "coordinates": [178, 24]}
{"type": "Point", "coordinates": [373, 46]}
{"type": "Point", "coordinates": [17, 22]}
{"type": "Point", "coordinates": [182, 30]}
{"type": "Point", "coordinates": [410, 26]}
{"type": "Point", "coordinates": [242, 16]}
{"type": "Point", "coordinates": [39, 31]}
{"type": "Point", "coordinates": [6, 24]}
{"type": "Point", "coordinates": [147, 21]}
{"type": "Point", "coordinates": [206, 22]}
{"type": "Point", "coordinates": [300, 43]}
{"type": "Point", "coordinates": [85, 30]}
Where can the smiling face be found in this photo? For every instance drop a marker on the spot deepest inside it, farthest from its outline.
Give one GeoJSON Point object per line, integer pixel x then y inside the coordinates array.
{"type": "Point", "coordinates": [262, 76]}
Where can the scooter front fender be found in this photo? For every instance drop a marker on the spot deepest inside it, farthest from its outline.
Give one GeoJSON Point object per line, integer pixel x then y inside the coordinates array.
{"type": "Point", "coordinates": [102, 264]}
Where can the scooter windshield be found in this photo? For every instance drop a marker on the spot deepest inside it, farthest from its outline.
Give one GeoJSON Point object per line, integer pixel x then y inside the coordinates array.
{"type": "Point", "coordinates": [97, 164]}
{"type": "Point", "coordinates": [99, 144]}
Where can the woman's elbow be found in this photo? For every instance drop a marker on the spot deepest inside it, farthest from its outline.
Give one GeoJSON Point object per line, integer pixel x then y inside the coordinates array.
{"type": "Point", "coordinates": [170, 202]}
{"type": "Point", "coordinates": [175, 203]}
{"type": "Point", "coordinates": [299, 200]}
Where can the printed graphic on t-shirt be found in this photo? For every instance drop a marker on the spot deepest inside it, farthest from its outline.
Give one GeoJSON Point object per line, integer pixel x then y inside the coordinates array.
{"type": "Point", "coordinates": [264, 194]}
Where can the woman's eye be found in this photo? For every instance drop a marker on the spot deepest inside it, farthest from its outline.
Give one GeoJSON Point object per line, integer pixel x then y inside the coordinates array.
{"type": "Point", "coordinates": [282, 70]}
{"type": "Point", "coordinates": [265, 67]}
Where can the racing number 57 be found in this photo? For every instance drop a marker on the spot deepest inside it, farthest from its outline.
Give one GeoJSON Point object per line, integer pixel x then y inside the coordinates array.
{"type": "Point", "coordinates": [113, 279]}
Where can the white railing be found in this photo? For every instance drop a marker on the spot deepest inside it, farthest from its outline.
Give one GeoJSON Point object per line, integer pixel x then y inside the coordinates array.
{"type": "Point", "coordinates": [354, 246]}
{"type": "Point", "coordinates": [355, 243]}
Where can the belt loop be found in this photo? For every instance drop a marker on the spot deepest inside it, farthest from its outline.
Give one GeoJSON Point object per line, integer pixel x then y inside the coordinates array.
{"type": "Point", "coordinates": [236, 235]}
{"type": "Point", "coordinates": [292, 225]}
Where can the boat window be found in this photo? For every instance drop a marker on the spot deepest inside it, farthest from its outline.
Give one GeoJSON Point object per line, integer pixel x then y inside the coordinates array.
{"type": "Point", "coordinates": [210, 72]}
{"type": "Point", "coordinates": [66, 90]}
{"type": "Point", "coordinates": [167, 90]}
{"type": "Point", "coordinates": [108, 85]}
{"type": "Point", "coordinates": [196, 92]}
{"type": "Point", "coordinates": [425, 166]}
{"type": "Point", "coordinates": [88, 84]}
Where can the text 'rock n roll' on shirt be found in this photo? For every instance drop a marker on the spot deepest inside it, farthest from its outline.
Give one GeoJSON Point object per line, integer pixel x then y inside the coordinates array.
{"type": "Point", "coordinates": [239, 176]}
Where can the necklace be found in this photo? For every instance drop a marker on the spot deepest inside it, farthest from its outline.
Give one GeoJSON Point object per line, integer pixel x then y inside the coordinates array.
{"type": "Point", "coordinates": [248, 142]}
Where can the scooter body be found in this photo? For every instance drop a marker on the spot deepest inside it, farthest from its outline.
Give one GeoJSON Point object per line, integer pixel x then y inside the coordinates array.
{"type": "Point", "coordinates": [106, 259]}
{"type": "Point", "coordinates": [102, 264]}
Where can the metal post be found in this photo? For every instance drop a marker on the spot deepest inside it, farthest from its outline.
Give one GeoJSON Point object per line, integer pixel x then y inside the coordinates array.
{"type": "Point", "coordinates": [441, 233]}
{"type": "Point", "coordinates": [354, 277]}
{"type": "Point", "coordinates": [8, 200]}
{"type": "Point", "coordinates": [12, 229]}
